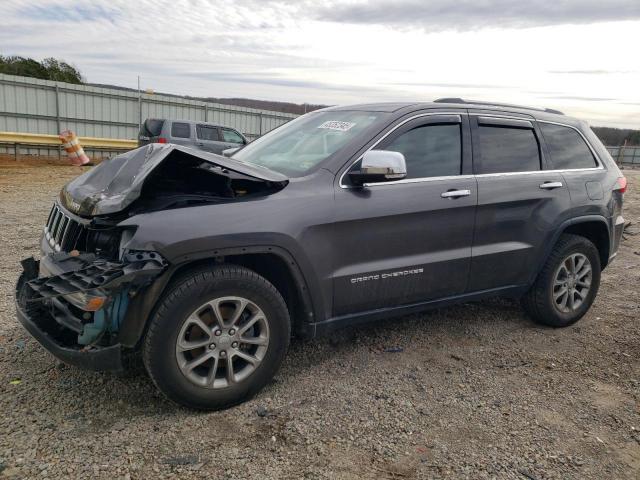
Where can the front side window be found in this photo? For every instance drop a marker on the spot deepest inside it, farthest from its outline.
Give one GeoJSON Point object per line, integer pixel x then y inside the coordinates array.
{"type": "Point", "coordinates": [430, 150]}
{"type": "Point", "coordinates": [180, 130]}
{"type": "Point", "coordinates": [566, 147]}
{"type": "Point", "coordinates": [207, 132]}
{"type": "Point", "coordinates": [302, 144]}
{"type": "Point", "coordinates": [507, 149]}
{"type": "Point", "coordinates": [231, 136]}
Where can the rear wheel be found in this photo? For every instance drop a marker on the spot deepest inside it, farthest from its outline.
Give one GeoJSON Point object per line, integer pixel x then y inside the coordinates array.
{"type": "Point", "coordinates": [217, 338]}
{"type": "Point", "coordinates": [567, 284]}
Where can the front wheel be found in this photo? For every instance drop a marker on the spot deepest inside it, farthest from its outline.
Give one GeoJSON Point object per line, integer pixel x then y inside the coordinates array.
{"type": "Point", "coordinates": [567, 284]}
{"type": "Point", "coordinates": [217, 338]}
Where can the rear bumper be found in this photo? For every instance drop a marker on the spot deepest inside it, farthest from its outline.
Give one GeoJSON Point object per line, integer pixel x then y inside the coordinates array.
{"type": "Point", "coordinates": [96, 358]}
{"type": "Point", "coordinates": [617, 230]}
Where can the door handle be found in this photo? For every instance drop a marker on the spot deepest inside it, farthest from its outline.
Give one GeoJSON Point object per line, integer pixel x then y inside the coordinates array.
{"type": "Point", "coordinates": [550, 185]}
{"type": "Point", "coordinates": [455, 193]}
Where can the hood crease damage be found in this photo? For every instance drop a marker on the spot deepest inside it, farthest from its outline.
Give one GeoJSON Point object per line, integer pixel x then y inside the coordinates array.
{"type": "Point", "coordinates": [163, 176]}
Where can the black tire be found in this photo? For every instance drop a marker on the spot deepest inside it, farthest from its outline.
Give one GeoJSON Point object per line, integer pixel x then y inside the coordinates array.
{"type": "Point", "coordinates": [539, 303]}
{"type": "Point", "coordinates": [184, 296]}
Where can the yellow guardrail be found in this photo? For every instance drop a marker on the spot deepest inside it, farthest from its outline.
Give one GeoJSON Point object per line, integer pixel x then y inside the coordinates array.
{"type": "Point", "coordinates": [17, 138]}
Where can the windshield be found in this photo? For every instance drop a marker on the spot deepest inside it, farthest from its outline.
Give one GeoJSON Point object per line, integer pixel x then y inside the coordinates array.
{"type": "Point", "coordinates": [296, 147]}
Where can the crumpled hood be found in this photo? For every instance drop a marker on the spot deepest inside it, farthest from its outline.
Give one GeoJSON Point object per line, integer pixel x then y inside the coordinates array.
{"type": "Point", "coordinates": [115, 183]}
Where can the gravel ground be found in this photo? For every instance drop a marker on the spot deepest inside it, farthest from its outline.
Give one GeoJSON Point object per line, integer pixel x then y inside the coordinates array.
{"type": "Point", "coordinates": [477, 391]}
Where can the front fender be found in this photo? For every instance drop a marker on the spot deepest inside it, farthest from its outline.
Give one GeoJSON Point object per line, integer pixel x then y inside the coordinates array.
{"type": "Point", "coordinates": [142, 306]}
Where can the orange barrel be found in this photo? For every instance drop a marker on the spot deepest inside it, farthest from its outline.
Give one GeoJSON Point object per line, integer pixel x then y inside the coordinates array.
{"type": "Point", "coordinates": [73, 148]}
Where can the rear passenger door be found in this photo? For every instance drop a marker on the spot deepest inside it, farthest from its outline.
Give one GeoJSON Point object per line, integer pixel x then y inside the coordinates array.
{"type": "Point", "coordinates": [208, 138]}
{"type": "Point", "coordinates": [519, 203]}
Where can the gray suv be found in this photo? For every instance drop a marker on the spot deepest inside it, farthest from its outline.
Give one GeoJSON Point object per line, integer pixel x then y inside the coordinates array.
{"type": "Point", "coordinates": [208, 265]}
{"type": "Point", "coordinates": [209, 137]}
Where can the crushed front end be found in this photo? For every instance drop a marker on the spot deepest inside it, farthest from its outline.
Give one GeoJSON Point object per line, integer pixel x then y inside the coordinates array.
{"type": "Point", "coordinates": [74, 302]}
{"type": "Point", "coordinates": [92, 291]}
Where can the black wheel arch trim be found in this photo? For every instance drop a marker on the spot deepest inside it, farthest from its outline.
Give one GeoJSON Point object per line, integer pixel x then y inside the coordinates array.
{"type": "Point", "coordinates": [142, 306]}
{"type": "Point", "coordinates": [560, 230]}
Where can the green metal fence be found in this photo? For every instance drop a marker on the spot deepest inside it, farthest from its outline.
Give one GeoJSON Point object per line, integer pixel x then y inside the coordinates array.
{"type": "Point", "coordinates": [625, 155]}
{"type": "Point", "coordinates": [30, 105]}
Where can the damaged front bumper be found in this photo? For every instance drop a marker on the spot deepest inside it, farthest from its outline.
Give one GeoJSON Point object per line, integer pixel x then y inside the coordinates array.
{"type": "Point", "coordinates": [74, 304]}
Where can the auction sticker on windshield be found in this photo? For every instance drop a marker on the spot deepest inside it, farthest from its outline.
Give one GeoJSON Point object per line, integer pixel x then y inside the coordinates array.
{"type": "Point", "coordinates": [336, 125]}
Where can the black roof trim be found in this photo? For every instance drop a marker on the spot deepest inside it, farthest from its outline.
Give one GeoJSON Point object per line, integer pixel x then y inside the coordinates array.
{"type": "Point", "coordinates": [475, 102]}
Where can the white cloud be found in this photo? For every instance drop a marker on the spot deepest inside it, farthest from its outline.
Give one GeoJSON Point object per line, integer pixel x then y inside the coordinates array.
{"type": "Point", "coordinates": [293, 52]}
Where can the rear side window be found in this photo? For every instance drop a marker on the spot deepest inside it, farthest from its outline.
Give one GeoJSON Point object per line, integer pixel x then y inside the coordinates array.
{"type": "Point", "coordinates": [430, 150]}
{"type": "Point", "coordinates": [151, 127]}
{"type": "Point", "coordinates": [566, 147]}
{"type": "Point", "coordinates": [207, 132]}
{"type": "Point", "coordinates": [180, 130]}
{"type": "Point", "coordinates": [507, 149]}
{"type": "Point", "coordinates": [231, 136]}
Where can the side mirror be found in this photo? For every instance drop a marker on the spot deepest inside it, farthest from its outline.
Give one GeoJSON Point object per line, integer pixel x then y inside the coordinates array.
{"type": "Point", "coordinates": [230, 151]}
{"type": "Point", "coordinates": [379, 166]}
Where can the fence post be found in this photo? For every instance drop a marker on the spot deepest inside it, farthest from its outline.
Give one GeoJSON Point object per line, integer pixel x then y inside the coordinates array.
{"type": "Point", "coordinates": [206, 113]}
{"type": "Point", "coordinates": [16, 151]}
{"type": "Point", "coordinates": [58, 129]}
{"type": "Point", "coordinates": [260, 119]}
{"type": "Point", "coordinates": [139, 107]}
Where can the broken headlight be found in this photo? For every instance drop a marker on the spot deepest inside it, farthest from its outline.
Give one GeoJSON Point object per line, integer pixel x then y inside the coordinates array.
{"type": "Point", "coordinates": [89, 301]}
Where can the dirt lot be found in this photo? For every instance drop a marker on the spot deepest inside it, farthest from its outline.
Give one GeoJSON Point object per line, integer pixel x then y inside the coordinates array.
{"type": "Point", "coordinates": [478, 391]}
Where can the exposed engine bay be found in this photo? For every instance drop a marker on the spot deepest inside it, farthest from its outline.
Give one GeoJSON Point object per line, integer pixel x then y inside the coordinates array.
{"type": "Point", "coordinates": [186, 180]}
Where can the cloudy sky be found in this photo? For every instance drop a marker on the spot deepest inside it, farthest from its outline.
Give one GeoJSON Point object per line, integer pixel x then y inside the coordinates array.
{"type": "Point", "coordinates": [577, 56]}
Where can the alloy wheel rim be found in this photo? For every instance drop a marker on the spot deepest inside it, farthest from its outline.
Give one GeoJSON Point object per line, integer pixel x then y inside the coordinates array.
{"type": "Point", "coordinates": [222, 342]}
{"type": "Point", "coordinates": [572, 283]}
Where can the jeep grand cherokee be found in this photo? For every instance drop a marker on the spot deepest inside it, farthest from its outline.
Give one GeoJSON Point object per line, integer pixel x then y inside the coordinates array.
{"type": "Point", "coordinates": [208, 265]}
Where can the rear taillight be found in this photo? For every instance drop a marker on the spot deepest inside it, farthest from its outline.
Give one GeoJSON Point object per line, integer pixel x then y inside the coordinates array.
{"type": "Point", "coordinates": [621, 185]}
{"type": "Point", "coordinates": [162, 140]}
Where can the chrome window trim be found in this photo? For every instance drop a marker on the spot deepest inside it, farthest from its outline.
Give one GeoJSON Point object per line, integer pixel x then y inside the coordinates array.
{"type": "Point", "coordinates": [480, 175]}
{"type": "Point", "coordinates": [415, 180]}
{"type": "Point", "coordinates": [406, 180]}
{"type": "Point", "coordinates": [541, 172]}
{"type": "Point", "coordinates": [593, 152]}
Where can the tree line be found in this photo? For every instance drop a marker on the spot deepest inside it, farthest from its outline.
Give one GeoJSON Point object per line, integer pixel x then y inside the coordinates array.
{"type": "Point", "coordinates": [617, 136]}
{"type": "Point", "coordinates": [47, 69]}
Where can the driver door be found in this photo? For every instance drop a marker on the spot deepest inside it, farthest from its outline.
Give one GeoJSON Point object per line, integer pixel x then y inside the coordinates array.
{"type": "Point", "coordinates": [408, 241]}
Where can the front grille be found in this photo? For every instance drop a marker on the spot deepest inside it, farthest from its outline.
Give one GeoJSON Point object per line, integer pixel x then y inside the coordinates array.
{"type": "Point", "coordinates": [62, 232]}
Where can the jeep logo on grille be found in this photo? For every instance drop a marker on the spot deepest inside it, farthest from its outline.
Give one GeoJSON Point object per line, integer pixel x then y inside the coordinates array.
{"type": "Point", "coordinates": [70, 203]}
{"type": "Point", "coordinates": [73, 206]}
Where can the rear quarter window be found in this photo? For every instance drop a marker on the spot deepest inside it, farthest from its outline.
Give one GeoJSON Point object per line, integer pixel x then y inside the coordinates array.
{"type": "Point", "coordinates": [180, 130]}
{"type": "Point", "coordinates": [566, 147]}
{"type": "Point", "coordinates": [151, 127]}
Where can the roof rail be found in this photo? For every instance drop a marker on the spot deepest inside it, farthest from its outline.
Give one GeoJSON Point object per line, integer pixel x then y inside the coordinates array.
{"type": "Point", "coordinates": [475, 102]}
